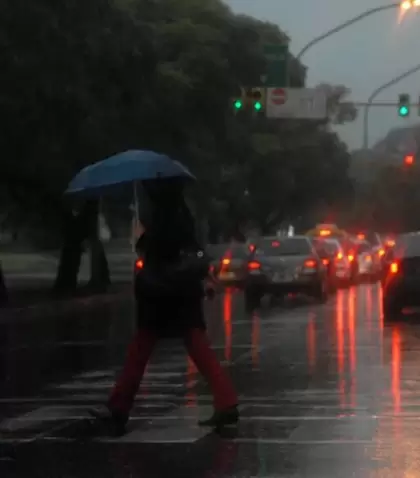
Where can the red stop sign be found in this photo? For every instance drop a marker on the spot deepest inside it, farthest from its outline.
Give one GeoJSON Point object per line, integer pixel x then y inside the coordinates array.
{"type": "Point", "coordinates": [278, 96]}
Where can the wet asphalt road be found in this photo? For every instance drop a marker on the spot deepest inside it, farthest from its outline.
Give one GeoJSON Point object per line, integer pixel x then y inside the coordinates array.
{"type": "Point", "coordinates": [325, 391]}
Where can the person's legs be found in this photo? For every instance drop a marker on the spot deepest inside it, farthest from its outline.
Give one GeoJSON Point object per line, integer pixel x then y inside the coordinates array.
{"type": "Point", "coordinates": [125, 389]}
{"type": "Point", "coordinates": [127, 385]}
{"type": "Point", "coordinates": [225, 397]}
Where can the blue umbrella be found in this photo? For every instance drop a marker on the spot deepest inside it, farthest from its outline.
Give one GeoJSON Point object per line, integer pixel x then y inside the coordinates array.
{"type": "Point", "coordinates": [111, 174]}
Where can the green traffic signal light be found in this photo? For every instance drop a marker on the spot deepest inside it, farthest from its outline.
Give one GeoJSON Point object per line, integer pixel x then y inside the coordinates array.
{"type": "Point", "coordinates": [258, 106]}
{"type": "Point", "coordinates": [403, 111]}
{"type": "Point", "coordinates": [238, 104]}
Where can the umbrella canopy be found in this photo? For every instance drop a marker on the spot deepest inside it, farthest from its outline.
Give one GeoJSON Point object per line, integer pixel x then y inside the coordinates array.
{"type": "Point", "coordinates": [111, 174]}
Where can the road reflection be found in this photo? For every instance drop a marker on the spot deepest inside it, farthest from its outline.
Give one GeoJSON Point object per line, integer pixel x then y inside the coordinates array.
{"type": "Point", "coordinates": [339, 325]}
{"type": "Point", "coordinates": [351, 317]}
{"type": "Point", "coordinates": [255, 340]}
{"type": "Point", "coordinates": [396, 370]}
{"type": "Point", "coordinates": [311, 345]}
{"type": "Point", "coordinates": [227, 319]}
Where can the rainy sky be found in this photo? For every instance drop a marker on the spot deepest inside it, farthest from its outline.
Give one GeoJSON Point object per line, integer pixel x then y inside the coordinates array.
{"type": "Point", "coordinates": [362, 57]}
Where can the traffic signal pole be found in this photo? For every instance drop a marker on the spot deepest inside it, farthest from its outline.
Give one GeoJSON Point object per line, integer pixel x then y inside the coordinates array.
{"type": "Point", "coordinates": [375, 93]}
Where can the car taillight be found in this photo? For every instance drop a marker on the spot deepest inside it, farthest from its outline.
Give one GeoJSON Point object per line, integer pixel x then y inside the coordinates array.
{"type": "Point", "coordinates": [139, 264]}
{"type": "Point", "coordinates": [351, 257]}
{"type": "Point", "coordinates": [275, 244]}
{"type": "Point", "coordinates": [310, 264]}
{"type": "Point", "coordinates": [368, 258]}
{"type": "Point", "coordinates": [394, 268]}
{"type": "Point", "coordinates": [254, 265]}
{"type": "Point", "coordinates": [251, 247]}
{"type": "Point", "coordinates": [340, 256]}
{"type": "Point", "coordinates": [381, 252]}
{"type": "Point", "coordinates": [325, 262]}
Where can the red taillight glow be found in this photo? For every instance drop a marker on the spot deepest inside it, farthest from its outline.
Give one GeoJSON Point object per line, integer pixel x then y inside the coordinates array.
{"type": "Point", "coordinates": [381, 252]}
{"type": "Point", "coordinates": [361, 237]}
{"type": "Point", "coordinates": [251, 247]}
{"type": "Point", "coordinates": [394, 268]}
{"type": "Point", "coordinates": [351, 257]}
{"type": "Point", "coordinates": [339, 256]}
{"type": "Point", "coordinates": [226, 261]}
{"type": "Point", "coordinates": [275, 244]}
{"type": "Point", "coordinates": [325, 262]}
{"type": "Point", "coordinates": [139, 264]}
{"type": "Point", "coordinates": [310, 263]}
{"type": "Point", "coordinates": [254, 265]}
{"type": "Point", "coordinates": [325, 232]}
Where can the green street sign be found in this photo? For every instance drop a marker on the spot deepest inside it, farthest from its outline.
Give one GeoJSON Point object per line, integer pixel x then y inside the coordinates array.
{"type": "Point", "coordinates": [276, 74]}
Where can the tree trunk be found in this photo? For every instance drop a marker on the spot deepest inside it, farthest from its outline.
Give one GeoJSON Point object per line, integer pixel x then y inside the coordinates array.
{"type": "Point", "coordinates": [4, 296]}
{"type": "Point", "coordinates": [78, 229]}
{"type": "Point", "coordinates": [99, 270]}
{"type": "Point", "coordinates": [71, 253]}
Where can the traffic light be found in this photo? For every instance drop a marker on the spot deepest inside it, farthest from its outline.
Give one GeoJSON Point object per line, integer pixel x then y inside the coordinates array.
{"type": "Point", "coordinates": [409, 159]}
{"type": "Point", "coordinates": [250, 100]}
{"type": "Point", "coordinates": [238, 104]}
{"type": "Point", "coordinates": [404, 105]}
{"type": "Point", "coordinates": [256, 99]}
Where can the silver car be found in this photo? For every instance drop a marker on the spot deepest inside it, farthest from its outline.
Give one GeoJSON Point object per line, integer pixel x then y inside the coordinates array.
{"type": "Point", "coordinates": [280, 266]}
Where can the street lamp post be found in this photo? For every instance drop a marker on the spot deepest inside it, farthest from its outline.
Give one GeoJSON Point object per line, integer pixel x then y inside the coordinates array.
{"type": "Point", "coordinates": [375, 93]}
{"type": "Point", "coordinates": [405, 5]}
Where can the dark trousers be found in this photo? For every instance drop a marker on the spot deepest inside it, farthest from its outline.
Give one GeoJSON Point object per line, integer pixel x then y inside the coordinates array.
{"type": "Point", "coordinates": [198, 348]}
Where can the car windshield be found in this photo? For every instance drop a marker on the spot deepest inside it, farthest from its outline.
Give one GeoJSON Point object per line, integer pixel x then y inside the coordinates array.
{"type": "Point", "coordinates": [284, 247]}
{"type": "Point", "coordinates": [363, 247]}
{"type": "Point", "coordinates": [234, 251]}
{"type": "Point", "coordinates": [332, 247]}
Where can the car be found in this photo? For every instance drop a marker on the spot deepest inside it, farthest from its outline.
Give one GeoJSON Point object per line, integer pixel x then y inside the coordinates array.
{"type": "Point", "coordinates": [401, 284]}
{"type": "Point", "coordinates": [339, 264]}
{"type": "Point", "coordinates": [329, 260]}
{"type": "Point", "coordinates": [229, 263]}
{"type": "Point", "coordinates": [279, 266]}
{"type": "Point", "coordinates": [378, 246]}
{"type": "Point", "coordinates": [370, 266]}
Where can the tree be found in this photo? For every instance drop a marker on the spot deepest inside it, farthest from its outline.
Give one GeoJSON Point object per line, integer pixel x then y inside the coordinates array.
{"type": "Point", "coordinates": [339, 110]}
{"type": "Point", "coordinates": [111, 76]}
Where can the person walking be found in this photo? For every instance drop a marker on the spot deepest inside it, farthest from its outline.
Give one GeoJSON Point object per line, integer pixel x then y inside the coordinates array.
{"type": "Point", "coordinates": [170, 311]}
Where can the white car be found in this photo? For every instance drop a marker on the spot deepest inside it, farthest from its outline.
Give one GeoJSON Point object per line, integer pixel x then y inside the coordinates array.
{"type": "Point", "coordinates": [369, 262]}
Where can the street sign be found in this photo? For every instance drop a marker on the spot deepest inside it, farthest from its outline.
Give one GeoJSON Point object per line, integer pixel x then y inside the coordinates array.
{"type": "Point", "coordinates": [279, 96]}
{"type": "Point", "coordinates": [277, 57]}
{"type": "Point", "coordinates": [298, 103]}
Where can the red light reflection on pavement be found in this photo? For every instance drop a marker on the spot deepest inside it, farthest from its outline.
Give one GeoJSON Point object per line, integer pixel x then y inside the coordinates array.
{"type": "Point", "coordinates": [369, 308]}
{"type": "Point", "coordinates": [311, 344]}
{"type": "Point", "coordinates": [352, 344]}
{"type": "Point", "coordinates": [227, 318]}
{"type": "Point", "coordinates": [396, 370]}
{"type": "Point", "coordinates": [255, 340]}
{"type": "Point", "coordinates": [339, 324]}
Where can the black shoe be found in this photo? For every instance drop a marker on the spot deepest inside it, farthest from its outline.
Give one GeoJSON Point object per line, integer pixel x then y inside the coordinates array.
{"type": "Point", "coordinates": [221, 418]}
{"type": "Point", "coordinates": [115, 423]}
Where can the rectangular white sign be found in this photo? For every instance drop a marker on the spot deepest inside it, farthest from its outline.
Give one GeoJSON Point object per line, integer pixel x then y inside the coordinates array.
{"type": "Point", "coordinates": [297, 103]}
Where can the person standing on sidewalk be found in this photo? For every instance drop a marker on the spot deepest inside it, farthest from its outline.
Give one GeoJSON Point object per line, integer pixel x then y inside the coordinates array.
{"type": "Point", "coordinates": [177, 312]}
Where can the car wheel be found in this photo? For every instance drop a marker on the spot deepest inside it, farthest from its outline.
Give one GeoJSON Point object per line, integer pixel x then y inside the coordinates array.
{"type": "Point", "coordinates": [252, 299]}
{"type": "Point", "coordinates": [321, 293]}
{"type": "Point", "coordinates": [391, 307]}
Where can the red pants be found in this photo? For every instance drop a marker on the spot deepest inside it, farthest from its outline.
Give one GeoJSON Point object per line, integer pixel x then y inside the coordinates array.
{"type": "Point", "coordinates": [198, 348]}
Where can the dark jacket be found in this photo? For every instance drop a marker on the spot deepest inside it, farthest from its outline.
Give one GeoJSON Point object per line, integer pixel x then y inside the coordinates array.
{"type": "Point", "coordinates": [169, 229]}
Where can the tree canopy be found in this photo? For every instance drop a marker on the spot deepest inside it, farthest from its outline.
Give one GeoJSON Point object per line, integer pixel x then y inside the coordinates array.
{"type": "Point", "coordinates": [83, 80]}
